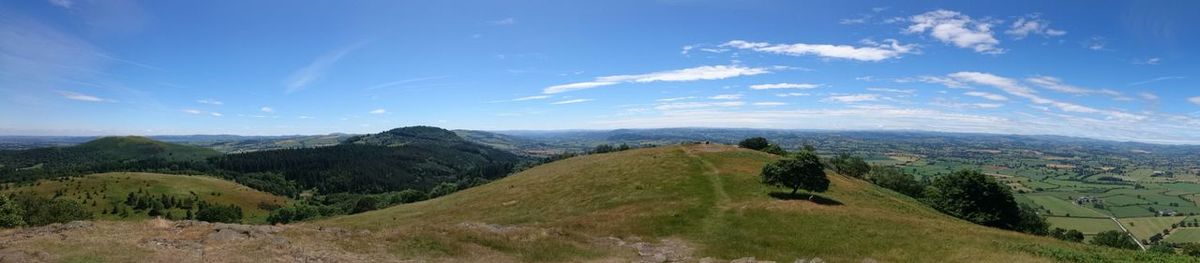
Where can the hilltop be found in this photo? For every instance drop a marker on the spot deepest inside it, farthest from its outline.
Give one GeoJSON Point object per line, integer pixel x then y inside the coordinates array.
{"type": "Point", "coordinates": [102, 151]}
{"type": "Point", "coordinates": [657, 204]}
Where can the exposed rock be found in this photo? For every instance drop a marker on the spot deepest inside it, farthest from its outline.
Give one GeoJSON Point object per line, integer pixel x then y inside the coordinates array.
{"type": "Point", "coordinates": [744, 260]}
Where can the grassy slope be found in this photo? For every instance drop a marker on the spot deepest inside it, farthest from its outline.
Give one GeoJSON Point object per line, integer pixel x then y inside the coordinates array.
{"type": "Point", "coordinates": [710, 197]}
{"type": "Point", "coordinates": [707, 197]}
{"type": "Point", "coordinates": [134, 147]}
{"type": "Point", "coordinates": [114, 187]}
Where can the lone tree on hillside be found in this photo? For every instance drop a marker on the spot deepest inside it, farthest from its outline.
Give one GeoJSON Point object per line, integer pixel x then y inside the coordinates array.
{"type": "Point", "coordinates": [756, 143]}
{"type": "Point", "coordinates": [800, 171]}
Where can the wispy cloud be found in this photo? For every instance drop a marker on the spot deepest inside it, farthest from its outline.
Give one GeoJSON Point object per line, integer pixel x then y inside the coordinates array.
{"type": "Point", "coordinates": [792, 94]}
{"type": "Point", "coordinates": [316, 70]}
{"type": "Point", "coordinates": [854, 98]}
{"type": "Point", "coordinates": [958, 29]}
{"type": "Point", "coordinates": [1097, 43]}
{"type": "Point", "coordinates": [986, 95]}
{"type": "Point", "coordinates": [769, 104]}
{"type": "Point", "coordinates": [1194, 100]}
{"type": "Point", "coordinates": [81, 97]}
{"type": "Point", "coordinates": [1055, 84]}
{"type": "Point", "coordinates": [538, 97]}
{"type": "Point", "coordinates": [1149, 61]}
{"type": "Point", "coordinates": [679, 75]}
{"type": "Point", "coordinates": [1032, 25]}
{"type": "Point", "coordinates": [875, 52]}
{"type": "Point", "coordinates": [216, 114]}
{"type": "Point", "coordinates": [209, 101]}
{"type": "Point", "coordinates": [62, 3]}
{"type": "Point", "coordinates": [378, 111]}
{"type": "Point", "coordinates": [503, 22]}
{"type": "Point", "coordinates": [697, 105]}
{"type": "Point", "coordinates": [404, 81]}
{"type": "Point", "coordinates": [267, 109]}
{"type": "Point", "coordinates": [785, 86]}
{"type": "Point", "coordinates": [1013, 87]}
{"type": "Point", "coordinates": [944, 81]}
{"type": "Point", "coordinates": [727, 97]}
{"type": "Point", "coordinates": [675, 99]}
{"type": "Point", "coordinates": [902, 91]}
{"type": "Point", "coordinates": [561, 102]}
{"type": "Point", "coordinates": [1156, 80]}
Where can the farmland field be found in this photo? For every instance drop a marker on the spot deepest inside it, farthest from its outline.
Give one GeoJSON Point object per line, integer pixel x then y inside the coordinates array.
{"type": "Point", "coordinates": [1089, 226]}
{"type": "Point", "coordinates": [1144, 227]}
{"type": "Point", "coordinates": [1060, 207]}
{"type": "Point", "coordinates": [1184, 235]}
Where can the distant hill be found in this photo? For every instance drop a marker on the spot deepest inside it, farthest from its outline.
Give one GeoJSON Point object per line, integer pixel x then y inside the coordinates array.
{"type": "Point", "coordinates": [673, 203]}
{"type": "Point", "coordinates": [103, 150]}
{"type": "Point", "coordinates": [403, 158]}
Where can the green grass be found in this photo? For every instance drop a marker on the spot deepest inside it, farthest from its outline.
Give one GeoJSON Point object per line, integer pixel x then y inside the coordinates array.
{"type": "Point", "coordinates": [1144, 227]}
{"type": "Point", "coordinates": [709, 196]}
{"type": "Point", "coordinates": [1061, 207]}
{"type": "Point", "coordinates": [1184, 235]}
{"type": "Point", "coordinates": [109, 188]}
{"type": "Point", "coordinates": [1089, 226]}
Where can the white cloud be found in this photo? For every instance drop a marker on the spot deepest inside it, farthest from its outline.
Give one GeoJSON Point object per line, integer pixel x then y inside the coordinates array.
{"type": "Point", "coordinates": [538, 97]}
{"type": "Point", "coordinates": [191, 111]}
{"type": "Point", "coordinates": [986, 95]}
{"type": "Point", "coordinates": [903, 91]}
{"type": "Point", "coordinates": [1096, 43]}
{"type": "Point", "coordinates": [769, 104]}
{"type": "Point", "coordinates": [209, 102]}
{"type": "Point", "coordinates": [785, 86]}
{"type": "Point", "coordinates": [215, 114]}
{"type": "Point", "coordinates": [1148, 96]}
{"type": "Point", "coordinates": [726, 97]}
{"type": "Point", "coordinates": [688, 74]}
{"type": "Point", "coordinates": [1055, 84]}
{"type": "Point", "coordinates": [675, 99]}
{"type": "Point", "coordinates": [957, 29]}
{"type": "Point", "coordinates": [875, 52]}
{"type": "Point", "coordinates": [1031, 24]}
{"type": "Point", "coordinates": [267, 109]}
{"type": "Point", "coordinates": [62, 3]}
{"type": "Point", "coordinates": [1014, 88]}
{"type": "Point", "coordinates": [1194, 100]}
{"type": "Point", "coordinates": [81, 97]}
{"type": "Point", "coordinates": [853, 98]}
{"type": "Point", "coordinates": [1149, 61]}
{"type": "Point", "coordinates": [792, 94]}
{"type": "Point", "coordinates": [1156, 80]}
{"type": "Point", "coordinates": [379, 111]}
{"type": "Point", "coordinates": [948, 82]}
{"type": "Point", "coordinates": [404, 81]}
{"type": "Point", "coordinates": [305, 76]}
{"type": "Point", "coordinates": [503, 22]}
{"type": "Point", "coordinates": [570, 101]}
{"type": "Point", "coordinates": [697, 105]}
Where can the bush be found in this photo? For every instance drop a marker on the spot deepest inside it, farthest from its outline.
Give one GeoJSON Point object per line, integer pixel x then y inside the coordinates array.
{"type": "Point", "coordinates": [801, 171]}
{"type": "Point", "coordinates": [442, 189]}
{"type": "Point", "coordinates": [1116, 239]}
{"type": "Point", "coordinates": [219, 213]}
{"type": "Point", "coordinates": [11, 214]}
{"type": "Point", "coordinates": [293, 213]}
{"type": "Point", "coordinates": [756, 143]}
{"type": "Point", "coordinates": [975, 197]}
{"type": "Point", "coordinates": [852, 166]}
{"type": "Point", "coordinates": [897, 180]}
{"type": "Point", "coordinates": [44, 211]}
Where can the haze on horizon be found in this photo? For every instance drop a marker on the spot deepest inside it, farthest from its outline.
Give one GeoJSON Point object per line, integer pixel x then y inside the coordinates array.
{"type": "Point", "coordinates": [1098, 69]}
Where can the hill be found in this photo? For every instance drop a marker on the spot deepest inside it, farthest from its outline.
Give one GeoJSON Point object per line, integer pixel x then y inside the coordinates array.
{"type": "Point", "coordinates": [105, 151]}
{"type": "Point", "coordinates": [668, 203]}
{"type": "Point", "coordinates": [403, 158]}
{"type": "Point", "coordinates": [101, 192]}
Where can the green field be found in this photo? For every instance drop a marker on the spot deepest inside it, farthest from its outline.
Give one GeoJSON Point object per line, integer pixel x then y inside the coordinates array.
{"type": "Point", "coordinates": [1061, 207]}
{"type": "Point", "coordinates": [98, 192]}
{"type": "Point", "coordinates": [1184, 235]}
{"type": "Point", "coordinates": [1144, 227]}
{"type": "Point", "coordinates": [1089, 226]}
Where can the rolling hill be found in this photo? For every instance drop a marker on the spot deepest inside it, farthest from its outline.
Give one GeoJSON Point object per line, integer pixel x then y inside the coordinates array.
{"type": "Point", "coordinates": [99, 192]}
{"type": "Point", "coordinates": [674, 203]}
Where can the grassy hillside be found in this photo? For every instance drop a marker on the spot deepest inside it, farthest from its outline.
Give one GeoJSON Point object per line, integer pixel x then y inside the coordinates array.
{"type": "Point", "coordinates": [100, 151]}
{"type": "Point", "coordinates": [706, 196]}
{"type": "Point", "coordinates": [669, 203]}
{"type": "Point", "coordinates": [98, 192]}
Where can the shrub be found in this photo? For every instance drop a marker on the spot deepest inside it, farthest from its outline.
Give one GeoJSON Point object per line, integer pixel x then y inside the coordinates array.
{"type": "Point", "coordinates": [755, 143]}
{"type": "Point", "coordinates": [801, 171]}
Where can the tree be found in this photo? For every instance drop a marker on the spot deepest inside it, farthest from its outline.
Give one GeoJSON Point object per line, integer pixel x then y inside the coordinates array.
{"type": "Point", "coordinates": [603, 148]}
{"type": "Point", "coordinates": [800, 171]}
{"type": "Point", "coordinates": [11, 214]}
{"type": "Point", "coordinates": [1190, 249]}
{"type": "Point", "coordinates": [219, 213]}
{"type": "Point", "coordinates": [975, 197]}
{"type": "Point", "coordinates": [1161, 248]}
{"type": "Point", "coordinates": [848, 165]}
{"type": "Point", "coordinates": [364, 204]}
{"type": "Point", "coordinates": [1116, 239]}
{"type": "Point", "coordinates": [1031, 222]}
{"type": "Point", "coordinates": [755, 143]}
{"type": "Point", "coordinates": [897, 180]}
{"type": "Point", "coordinates": [774, 149]}
{"type": "Point", "coordinates": [442, 189]}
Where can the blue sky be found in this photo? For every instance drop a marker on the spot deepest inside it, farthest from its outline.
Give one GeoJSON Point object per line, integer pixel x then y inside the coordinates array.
{"type": "Point", "coordinates": [1100, 69]}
